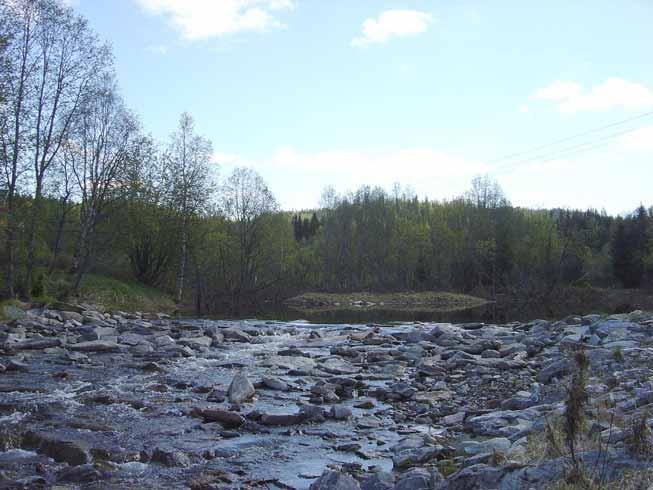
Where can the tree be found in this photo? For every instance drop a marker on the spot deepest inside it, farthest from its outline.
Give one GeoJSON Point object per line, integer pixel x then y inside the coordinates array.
{"type": "Point", "coordinates": [105, 141]}
{"type": "Point", "coordinates": [245, 200]}
{"type": "Point", "coordinates": [187, 178]}
{"type": "Point", "coordinates": [67, 57]}
{"type": "Point", "coordinates": [486, 193]}
{"type": "Point", "coordinates": [19, 28]}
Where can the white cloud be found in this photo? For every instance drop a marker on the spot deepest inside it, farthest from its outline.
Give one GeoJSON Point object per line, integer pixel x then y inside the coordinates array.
{"type": "Point", "coordinates": [571, 97]}
{"type": "Point", "coordinates": [298, 178]}
{"type": "Point", "coordinates": [160, 49]}
{"type": "Point", "coordinates": [640, 140]}
{"type": "Point", "coordinates": [393, 23]}
{"type": "Point", "coordinates": [205, 19]}
{"type": "Point", "coordinates": [69, 3]}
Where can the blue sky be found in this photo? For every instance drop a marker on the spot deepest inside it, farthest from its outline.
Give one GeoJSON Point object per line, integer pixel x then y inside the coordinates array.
{"type": "Point", "coordinates": [428, 93]}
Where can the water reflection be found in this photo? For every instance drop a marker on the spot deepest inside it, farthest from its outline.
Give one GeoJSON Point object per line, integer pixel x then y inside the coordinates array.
{"type": "Point", "coordinates": [488, 313]}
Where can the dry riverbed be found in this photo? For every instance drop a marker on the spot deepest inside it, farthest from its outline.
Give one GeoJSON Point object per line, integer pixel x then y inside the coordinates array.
{"type": "Point", "coordinates": [129, 401]}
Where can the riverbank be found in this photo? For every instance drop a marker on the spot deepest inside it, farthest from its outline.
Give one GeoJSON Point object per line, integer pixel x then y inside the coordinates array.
{"type": "Point", "coordinates": [129, 400]}
{"type": "Point", "coordinates": [398, 301]}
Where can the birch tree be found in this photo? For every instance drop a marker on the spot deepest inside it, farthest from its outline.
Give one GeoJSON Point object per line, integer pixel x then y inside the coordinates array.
{"type": "Point", "coordinates": [187, 174]}
{"type": "Point", "coordinates": [106, 141]}
{"type": "Point", "coordinates": [68, 56]}
{"type": "Point", "coordinates": [18, 29]}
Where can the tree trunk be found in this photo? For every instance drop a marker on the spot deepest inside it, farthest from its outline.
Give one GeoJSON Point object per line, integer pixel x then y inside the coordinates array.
{"type": "Point", "coordinates": [31, 236]}
{"type": "Point", "coordinates": [10, 246]}
{"type": "Point", "coordinates": [59, 235]}
{"type": "Point", "coordinates": [182, 262]}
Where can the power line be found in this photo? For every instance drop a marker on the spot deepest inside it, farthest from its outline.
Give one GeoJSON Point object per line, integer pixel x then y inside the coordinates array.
{"type": "Point", "coordinates": [571, 138]}
{"type": "Point", "coordinates": [552, 155]}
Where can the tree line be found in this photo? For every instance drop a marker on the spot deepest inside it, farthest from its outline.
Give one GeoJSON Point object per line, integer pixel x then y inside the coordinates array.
{"type": "Point", "coordinates": [85, 189]}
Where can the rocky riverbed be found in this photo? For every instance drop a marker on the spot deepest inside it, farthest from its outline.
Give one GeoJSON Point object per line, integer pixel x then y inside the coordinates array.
{"type": "Point", "coordinates": [120, 401]}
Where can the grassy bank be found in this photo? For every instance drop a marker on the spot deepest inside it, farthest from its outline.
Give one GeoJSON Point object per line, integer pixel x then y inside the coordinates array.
{"type": "Point", "coordinates": [407, 301]}
{"type": "Point", "coordinates": [109, 293]}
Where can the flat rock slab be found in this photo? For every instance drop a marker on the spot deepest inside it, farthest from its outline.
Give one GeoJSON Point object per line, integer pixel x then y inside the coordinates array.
{"type": "Point", "coordinates": [95, 346]}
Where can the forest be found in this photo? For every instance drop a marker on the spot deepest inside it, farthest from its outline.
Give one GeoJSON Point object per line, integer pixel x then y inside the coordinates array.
{"type": "Point", "coordinates": [85, 189]}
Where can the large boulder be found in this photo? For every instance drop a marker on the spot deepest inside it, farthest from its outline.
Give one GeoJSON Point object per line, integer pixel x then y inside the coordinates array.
{"type": "Point", "coordinates": [240, 389]}
{"type": "Point", "coordinates": [335, 480]}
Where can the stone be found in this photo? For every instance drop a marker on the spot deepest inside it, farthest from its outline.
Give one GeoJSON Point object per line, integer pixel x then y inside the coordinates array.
{"type": "Point", "coordinates": [418, 479]}
{"type": "Point", "coordinates": [340, 412]}
{"type": "Point", "coordinates": [335, 480]}
{"type": "Point", "coordinates": [495, 445]}
{"type": "Point", "coordinates": [36, 343]}
{"type": "Point", "coordinates": [85, 473]}
{"type": "Point", "coordinates": [240, 389]}
{"type": "Point", "coordinates": [16, 365]}
{"type": "Point", "coordinates": [281, 419]}
{"type": "Point", "coordinates": [61, 450]}
{"type": "Point", "coordinates": [379, 480]}
{"type": "Point", "coordinates": [95, 346]}
{"type": "Point", "coordinates": [170, 458]}
{"type": "Point", "coordinates": [236, 335]}
{"type": "Point", "coordinates": [556, 369]}
{"type": "Point", "coordinates": [275, 384]}
{"type": "Point", "coordinates": [229, 420]}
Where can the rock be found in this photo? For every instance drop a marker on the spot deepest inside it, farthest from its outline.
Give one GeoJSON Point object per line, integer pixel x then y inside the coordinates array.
{"type": "Point", "coordinates": [496, 445]}
{"type": "Point", "coordinates": [312, 413]}
{"type": "Point", "coordinates": [15, 365]}
{"type": "Point", "coordinates": [196, 342]}
{"type": "Point", "coordinates": [275, 384]}
{"type": "Point", "coordinates": [281, 419]}
{"type": "Point", "coordinates": [95, 346]}
{"type": "Point", "coordinates": [229, 420]}
{"type": "Point", "coordinates": [236, 335]}
{"type": "Point", "coordinates": [456, 418]}
{"type": "Point", "coordinates": [556, 369]}
{"type": "Point", "coordinates": [340, 412]}
{"type": "Point", "coordinates": [170, 458]}
{"type": "Point", "coordinates": [418, 479]}
{"type": "Point", "coordinates": [36, 344]}
{"type": "Point", "coordinates": [336, 365]}
{"type": "Point", "coordinates": [85, 473]}
{"type": "Point", "coordinates": [475, 477]}
{"type": "Point", "coordinates": [379, 480]}
{"type": "Point", "coordinates": [63, 451]}
{"type": "Point", "coordinates": [240, 389]}
{"type": "Point", "coordinates": [335, 480]}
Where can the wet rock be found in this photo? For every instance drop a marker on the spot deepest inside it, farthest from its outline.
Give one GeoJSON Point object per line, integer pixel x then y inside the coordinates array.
{"type": "Point", "coordinates": [16, 365]}
{"type": "Point", "coordinates": [340, 412]}
{"type": "Point", "coordinates": [36, 344]}
{"type": "Point", "coordinates": [95, 346]}
{"type": "Point", "coordinates": [216, 396]}
{"type": "Point", "coordinates": [281, 419]}
{"type": "Point", "coordinates": [312, 413]}
{"type": "Point", "coordinates": [380, 480]}
{"type": "Point", "coordinates": [335, 365]}
{"type": "Point", "coordinates": [229, 420]}
{"type": "Point", "coordinates": [275, 384]}
{"type": "Point", "coordinates": [64, 451]}
{"type": "Point", "coordinates": [240, 389]}
{"type": "Point", "coordinates": [418, 479]}
{"type": "Point", "coordinates": [475, 477]}
{"type": "Point", "coordinates": [170, 458]}
{"type": "Point", "coordinates": [335, 480]}
{"type": "Point", "coordinates": [196, 342]}
{"type": "Point", "coordinates": [236, 335]}
{"type": "Point", "coordinates": [85, 473]}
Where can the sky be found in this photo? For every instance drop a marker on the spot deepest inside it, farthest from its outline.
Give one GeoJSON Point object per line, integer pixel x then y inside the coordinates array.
{"type": "Point", "coordinates": [428, 93]}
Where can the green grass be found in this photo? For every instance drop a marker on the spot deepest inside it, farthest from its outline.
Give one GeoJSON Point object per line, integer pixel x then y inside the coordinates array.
{"type": "Point", "coordinates": [115, 294]}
